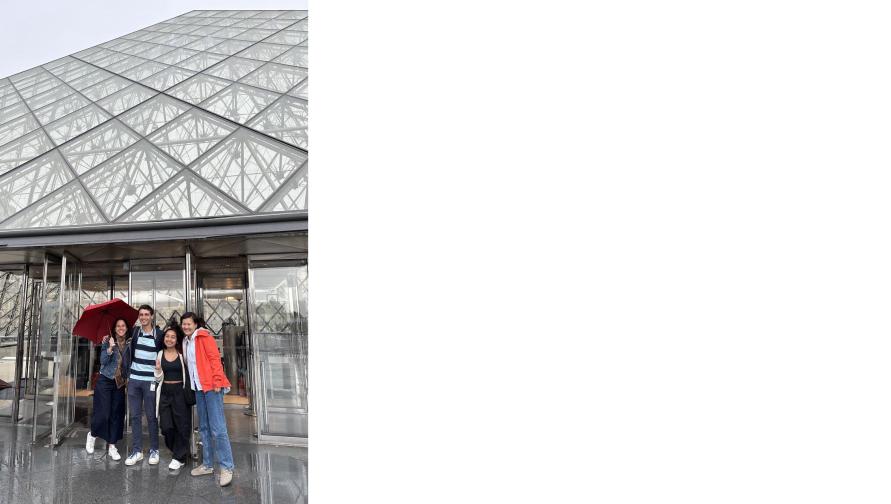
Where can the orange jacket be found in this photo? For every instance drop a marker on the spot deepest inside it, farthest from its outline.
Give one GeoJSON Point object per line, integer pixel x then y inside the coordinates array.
{"type": "Point", "coordinates": [207, 360]}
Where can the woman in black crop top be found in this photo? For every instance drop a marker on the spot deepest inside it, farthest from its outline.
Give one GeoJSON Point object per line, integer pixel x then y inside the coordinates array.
{"type": "Point", "coordinates": [175, 400]}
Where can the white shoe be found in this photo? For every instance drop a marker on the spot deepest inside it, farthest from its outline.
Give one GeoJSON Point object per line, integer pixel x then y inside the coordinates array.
{"type": "Point", "coordinates": [133, 458]}
{"type": "Point", "coordinates": [175, 464]}
{"type": "Point", "coordinates": [91, 442]}
{"type": "Point", "coordinates": [113, 452]}
{"type": "Point", "coordinates": [154, 457]}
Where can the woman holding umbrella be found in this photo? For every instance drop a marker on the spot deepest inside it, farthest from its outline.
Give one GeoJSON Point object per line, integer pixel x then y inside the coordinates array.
{"type": "Point", "coordinates": [109, 400]}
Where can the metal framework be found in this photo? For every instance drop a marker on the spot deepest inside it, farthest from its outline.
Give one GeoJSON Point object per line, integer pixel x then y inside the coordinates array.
{"type": "Point", "coordinates": [200, 117]}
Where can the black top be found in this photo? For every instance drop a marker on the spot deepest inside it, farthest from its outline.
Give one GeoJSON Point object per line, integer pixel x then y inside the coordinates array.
{"type": "Point", "coordinates": [173, 371]}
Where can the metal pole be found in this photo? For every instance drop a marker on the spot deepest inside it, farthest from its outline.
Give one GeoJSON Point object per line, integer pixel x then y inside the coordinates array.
{"type": "Point", "coordinates": [187, 274]}
{"type": "Point", "coordinates": [20, 347]}
{"type": "Point", "coordinates": [249, 351]}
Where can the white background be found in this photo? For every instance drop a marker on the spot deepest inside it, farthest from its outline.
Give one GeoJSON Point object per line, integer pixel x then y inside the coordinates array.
{"type": "Point", "coordinates": [634, 252]}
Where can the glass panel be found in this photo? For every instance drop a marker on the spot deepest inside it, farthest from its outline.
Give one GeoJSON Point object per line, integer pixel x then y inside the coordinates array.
{"type": "Point", "coordinates": [204, 43]}
{"type": "Point", "coordinates": [17, 128]}
{"type": "Point", "coordinates": [55, 94]}
{"type": "Point", "coordinates": [275, 24]}
{"type": "Point", "coordinates": [289, 37]}
{"type": "Point", "coordinates": [74, 124]}
{"type": "Point", "coordinates": [23, 149]}
{"type": "Point", "coordinates": [13, 111]}
{"type": "Point", "coordinates": [286, 119]}
{"type": "Point", "coordinates": [276, 77]}
{"type": "Point", "coordinates": [279, 325]}
{"type": "Point", "coordinates": [10, 313]}
{"type": "Point", "coordinates": [120, 183]}
{"type": "Point", "coordinates": [292, 195]}
{"type": "Point", "coordinates": [10, 97]}
{"type": "Point", "coordinates": [249, 167]}
{"type": "Point", "coordinates": [46, 350]}
{"type": "Point", "coordinates": [60, 108]}
{"type": "Point", "coordinates": [69, 206]}
{"type": "Point", "coordinates": [105, 88]}
{"type": "Point", "coordinates": [72, 70]}
{"type": "Point", "coordinates": [190, 135]}
{"type": "Point", "coordinates": [153, 114]}
{"type": "Point", "coordinates": [98, 145]}
{"type": "Point", "coordinates": [223, 308]}
{"type": "Point", "coordinates": [185, 196]}
{"type": "Point", "coordinates": [42, 85]}
{"type": "Point", "coordinates": [201, 61]}
{"type": "Point", "coordinates": [198, 88]}
{"type": "Point", "coordinates": [21, 187]}
{"type": "Point", "coordinates": [239, 102]}
{"type": "Point", "coordinates": [230, 46]}
{"type": "Point", "coordinates": [166, 78]}
{"type": "Point", "coordinates": [263, 51]}
{"type": "Point", "coordinates": [295, 56]}
{"type": "Point", "coordinates": [126, 98]}
{"type": "Point", "coordinates": [90, 79]}
{"type": "Point", "coordinates": [255, 34]}
{"type": "Point", "coordinates": [177, 55]}
{"type": "Point", "coordinates": [234, 68]}
{"type": "Point", "coordinates": [301, 90]}
{"type": "Point", "coordinates": [124, 65]}
{"type": "Point", "coordinates": [144, 70]}
{"type": "Point", "coordinates": [66, 371]}
{"type": "Point", "coordinates": [162, 290]}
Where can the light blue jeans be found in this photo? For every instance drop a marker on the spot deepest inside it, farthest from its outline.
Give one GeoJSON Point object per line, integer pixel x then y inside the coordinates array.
{"type": "Point", "coordinates": [212, 425]}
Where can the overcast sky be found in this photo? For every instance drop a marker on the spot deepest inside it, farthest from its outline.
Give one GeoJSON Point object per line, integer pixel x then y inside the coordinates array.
{"type": "Point", "coordinates": [36, 32]}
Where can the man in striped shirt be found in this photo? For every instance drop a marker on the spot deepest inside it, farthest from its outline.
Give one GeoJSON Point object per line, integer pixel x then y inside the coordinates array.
{"type": "Point", "coordinates": [145, 343]}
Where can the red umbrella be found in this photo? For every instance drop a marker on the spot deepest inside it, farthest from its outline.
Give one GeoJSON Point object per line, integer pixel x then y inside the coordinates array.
{"type": "Point", "coordinates": [95, 323]}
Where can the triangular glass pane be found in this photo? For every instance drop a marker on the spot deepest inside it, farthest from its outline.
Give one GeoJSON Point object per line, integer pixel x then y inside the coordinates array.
{"type": "Point", "coordinates": [70, 206]}
{"type": "Point", "coordinates": [190, 135]}
{"type": "Point", "coordinates": [289, 37]}
{"type": "Point", "coordinates": [153, 114]}
{"type": "Point", "coordinates": [198, 88]}
{"type": "Point", "coordinates": [295, 56]}
{"type": "Point", "coordinates": [17, 128]}
{"type": "Point", "coordinates": [292, 195]}
{"type": "Point", "coordinates": [126, 98]}
{"type": "Point", "coordinates": [234, 68]}
{"type": "Point", "coordinates": [127, 178]}
{"type": "Point", "coordinates": [184, 197]}
{"type": "Point", "coordinates": [201, 61]}
{"type": "Point", "coordinates": [75, 123]}
{"type": "Point", "coordinates": [286, 120]}
{"type": "Point", "coordinates": [166, 78]}
{"type": "Point", "coordinates": [275, 77]}
{"type": "Point", "coordinates": [9, 97]}
{"type": "Point", "coordinates": [98, 145]}
{"type": "Point", "coordinates": [239, 102]}
{"type": "Point", "coordinates": [23, 149]}
{"type": "Point", "coordinates": [19, 188]}
{"type": "Point", "coordinates": [249, 167]}
{"type": "Point", "coordinates": [301, 90]}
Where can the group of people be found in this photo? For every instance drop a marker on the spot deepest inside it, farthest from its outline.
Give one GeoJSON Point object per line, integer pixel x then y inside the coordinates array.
{"type": "Point", "coordinates": [164, 374]}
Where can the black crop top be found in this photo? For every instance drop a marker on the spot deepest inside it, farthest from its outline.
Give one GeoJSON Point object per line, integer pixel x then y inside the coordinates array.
{"type": "Point", "coordinates": [173, 371]}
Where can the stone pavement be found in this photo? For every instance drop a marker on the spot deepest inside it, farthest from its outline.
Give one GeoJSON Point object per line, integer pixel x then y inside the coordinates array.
{"type": "Point", "coordinates": [67, 474]}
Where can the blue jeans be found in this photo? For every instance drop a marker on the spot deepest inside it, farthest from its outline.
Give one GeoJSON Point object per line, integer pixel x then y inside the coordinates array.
{"type": "Point", "coordinates": [212, 425]}
{"type": "Point", "coordinates": [140, 397]}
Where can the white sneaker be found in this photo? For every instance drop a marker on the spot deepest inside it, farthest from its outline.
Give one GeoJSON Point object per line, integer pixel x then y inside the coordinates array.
{"type": "Point", "coordinates": [154, 457]}
{"type": "Point", "coordinates": [175, 464]}
{"type": "Point", "coordinates": [113, 452]}
{"type": "Point", "coordinates": [91, 442]}
{"type": "Point", "coordinates": [133, 458]}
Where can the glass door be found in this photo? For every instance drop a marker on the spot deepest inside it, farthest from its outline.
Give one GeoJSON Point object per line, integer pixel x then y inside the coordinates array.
{"type": "Point", "coordinates": [65, 373]}
{"type": "Point", "coordinates": [278, 318]}
{"type": "Point", "coordinates": [44, 360]}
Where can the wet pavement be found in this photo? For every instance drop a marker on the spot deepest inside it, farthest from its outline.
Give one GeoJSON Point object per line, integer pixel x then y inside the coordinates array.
{"type": "Point", "coordinates": [67, 474]}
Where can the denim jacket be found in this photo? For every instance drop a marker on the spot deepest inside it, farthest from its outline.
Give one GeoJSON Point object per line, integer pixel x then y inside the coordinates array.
{"type": "Point", "coordinates": [108, 363]}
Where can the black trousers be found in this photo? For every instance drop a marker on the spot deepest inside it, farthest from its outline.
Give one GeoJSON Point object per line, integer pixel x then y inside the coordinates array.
{"type": "Point", "coordinates": [109, 408]}
{"type": "Point", "coordinates": [175, 420]}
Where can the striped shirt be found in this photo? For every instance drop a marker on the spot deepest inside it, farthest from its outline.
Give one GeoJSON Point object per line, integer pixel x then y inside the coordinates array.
{"type": "Point", "coordinates": [143, 365]}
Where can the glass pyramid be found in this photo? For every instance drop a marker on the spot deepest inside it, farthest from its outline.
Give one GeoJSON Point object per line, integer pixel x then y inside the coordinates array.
{"type": "Point", "coordinates": [200, 116]}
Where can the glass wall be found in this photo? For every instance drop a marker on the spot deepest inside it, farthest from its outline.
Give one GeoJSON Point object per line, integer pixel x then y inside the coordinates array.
{"type": "Point", "coordinates": [163, 289]}
{"type": "Point", "coordinates": [279, 327]}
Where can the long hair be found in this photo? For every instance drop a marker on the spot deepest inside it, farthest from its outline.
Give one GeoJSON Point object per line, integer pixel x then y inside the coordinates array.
{"type": "Point", "coordinates": [173, 326]}
{"type": "Point", "coordinates": [113, 334]}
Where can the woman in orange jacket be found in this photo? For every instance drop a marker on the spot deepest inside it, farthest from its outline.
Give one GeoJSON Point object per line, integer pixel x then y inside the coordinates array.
{"type": "Point", "coordinates": [210, 384]}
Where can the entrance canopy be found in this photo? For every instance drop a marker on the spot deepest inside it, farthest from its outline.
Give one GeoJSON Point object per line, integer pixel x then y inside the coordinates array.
{"type": "Point", "coordinates": [198, 119]}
